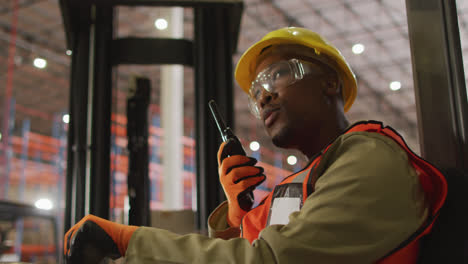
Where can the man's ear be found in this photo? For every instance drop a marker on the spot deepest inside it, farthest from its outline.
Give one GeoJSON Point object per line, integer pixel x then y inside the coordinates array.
{"type": "Point", "coordinates": [331, 86]}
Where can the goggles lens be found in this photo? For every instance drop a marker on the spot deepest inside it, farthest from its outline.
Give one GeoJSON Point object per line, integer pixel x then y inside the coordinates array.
{"type": "Point", "coordinates": [276, 75]}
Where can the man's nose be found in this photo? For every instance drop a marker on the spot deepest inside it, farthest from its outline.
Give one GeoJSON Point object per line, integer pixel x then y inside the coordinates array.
{"type": "Point", "coordinates": [266, 97]}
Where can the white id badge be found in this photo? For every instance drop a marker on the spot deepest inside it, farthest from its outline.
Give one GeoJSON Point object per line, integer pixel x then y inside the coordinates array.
{"type": "Point", "coordinates": [282, 207]}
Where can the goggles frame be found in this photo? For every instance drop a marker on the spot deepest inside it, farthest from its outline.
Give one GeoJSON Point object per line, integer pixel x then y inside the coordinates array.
{"type": "Point", "coordinates": [297, 68]}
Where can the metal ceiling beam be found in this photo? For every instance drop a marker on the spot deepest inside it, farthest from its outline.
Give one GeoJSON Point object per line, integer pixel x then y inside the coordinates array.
{"type": "Point", "coordinates": [58, 78]}
{"type": "Point", "coordinates": [25, 4]}
{"type": "Point", "coordinates": [386, 8]}
{"type": "Point", "coordinates": [31, 43]}
{"type": "Point", "coordinates": [374, 66]}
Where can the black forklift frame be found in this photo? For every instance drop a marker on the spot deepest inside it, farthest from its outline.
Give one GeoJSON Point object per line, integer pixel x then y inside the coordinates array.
{"type": "Point", "coordinates": [89, 28]}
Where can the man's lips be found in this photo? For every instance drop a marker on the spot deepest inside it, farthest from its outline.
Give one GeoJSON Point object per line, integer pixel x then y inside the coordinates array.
{"type": "Point", "coordinates": [269, 116]}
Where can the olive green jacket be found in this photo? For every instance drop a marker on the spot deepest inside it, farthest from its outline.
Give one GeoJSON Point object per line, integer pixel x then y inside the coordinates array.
{"type": "Point", "coordinates": [367, 201]}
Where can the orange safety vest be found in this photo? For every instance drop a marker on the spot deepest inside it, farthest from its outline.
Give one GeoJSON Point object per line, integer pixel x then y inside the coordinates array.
{"type": "Point", "coordinates": [301, 184]}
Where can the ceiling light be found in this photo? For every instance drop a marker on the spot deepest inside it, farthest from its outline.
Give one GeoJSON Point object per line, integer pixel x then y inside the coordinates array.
{"type": "Point", "coordinates": [68, 52]}
{"type": "Point", "coordinates": [394, 86]}
{"type": "Point", "coordinates": [358, 48]}
{"type": "Point", "coordinates": [66, 118]}
{"type": "Point", "coordinates": [160, 23]}
{"type": "Point", "coordinates": [292, 160]}
{"type": "Point", "coordinates": [44, 204]}
{"type": "Point", "coordinates": [254, 146]}
{"type": "Point", "coordinates": [0, 136]}
{"type": "Point", "coordinates": [40, 63]}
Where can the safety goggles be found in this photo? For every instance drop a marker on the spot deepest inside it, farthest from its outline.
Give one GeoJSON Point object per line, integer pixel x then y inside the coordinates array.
{"type": "Point", "coordinates": [277, 76]}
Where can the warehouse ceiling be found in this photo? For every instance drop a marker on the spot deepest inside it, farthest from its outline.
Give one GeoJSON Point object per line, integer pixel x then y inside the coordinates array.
{"type": "Point", "coordinates": [380, 25]}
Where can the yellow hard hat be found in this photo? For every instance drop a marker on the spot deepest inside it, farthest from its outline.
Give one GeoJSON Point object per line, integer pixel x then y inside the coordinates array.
{"type": "Point", "coordinates": [245, 69]}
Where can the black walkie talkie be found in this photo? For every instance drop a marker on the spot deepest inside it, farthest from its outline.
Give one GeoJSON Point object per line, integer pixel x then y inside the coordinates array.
{"type": "Point", "coordinates": [233, 147]}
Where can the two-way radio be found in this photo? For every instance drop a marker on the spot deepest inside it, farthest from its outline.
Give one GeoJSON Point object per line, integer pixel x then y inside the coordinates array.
{"type": "Point", "coordinates": [232, 147]}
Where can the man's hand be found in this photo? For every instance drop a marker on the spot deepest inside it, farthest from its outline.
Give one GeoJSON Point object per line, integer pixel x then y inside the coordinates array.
{"type": "Point", "coordinates": [93, 238]}
{"type": "Point", "coordinates": [237, 175]}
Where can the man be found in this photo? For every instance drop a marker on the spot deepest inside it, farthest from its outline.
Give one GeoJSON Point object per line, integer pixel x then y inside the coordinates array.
{"type": "Point", "coordinates": [364, 197]}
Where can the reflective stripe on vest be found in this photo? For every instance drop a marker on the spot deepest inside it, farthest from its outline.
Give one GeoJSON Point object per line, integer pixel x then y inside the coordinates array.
{"type": "Point", "coordinates": [291, 193]}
